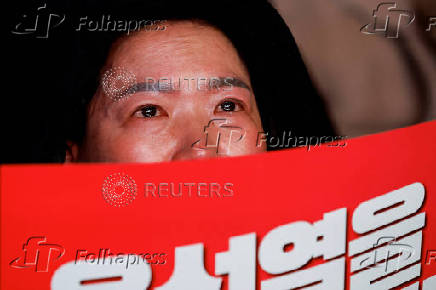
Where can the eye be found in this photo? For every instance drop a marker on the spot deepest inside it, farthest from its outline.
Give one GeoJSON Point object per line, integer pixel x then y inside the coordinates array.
{"type": "Point", "coordinates": [229, 106]}
{"type": "Point", "coordinates": [150, 111]}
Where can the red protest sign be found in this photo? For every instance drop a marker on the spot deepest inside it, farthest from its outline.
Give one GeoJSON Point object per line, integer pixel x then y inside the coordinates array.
{"type": "Point", "coordinates": [361, 216]}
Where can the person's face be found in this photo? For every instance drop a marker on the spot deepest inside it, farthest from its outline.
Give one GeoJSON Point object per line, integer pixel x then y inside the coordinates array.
{"type": "Point", "coordinates": [155, 123]}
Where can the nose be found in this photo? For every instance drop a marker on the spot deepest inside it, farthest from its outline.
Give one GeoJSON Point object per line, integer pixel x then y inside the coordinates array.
{"type": "Point", "coordinates": [188, 153]}
{"type": "Point", "coordinates": [196, 142]}
{"type": "Point", "coordinates": [205, 140]}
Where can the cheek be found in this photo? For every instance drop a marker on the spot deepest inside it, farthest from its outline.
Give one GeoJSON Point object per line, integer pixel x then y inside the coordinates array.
{"type": "Point", "coordinates": [146, 148]}
{"type": "Point", "coordinates": [150, 148]}
{"type": "Point", "coordinates": [252, 143]}
{"type": "Point", "coordinates": [130, 146]}
{"type": "Point", "coordinates": [249, 143]}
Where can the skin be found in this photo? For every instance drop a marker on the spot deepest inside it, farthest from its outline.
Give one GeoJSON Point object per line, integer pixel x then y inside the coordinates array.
{"type": "Point", "coordinates": [166, 125]}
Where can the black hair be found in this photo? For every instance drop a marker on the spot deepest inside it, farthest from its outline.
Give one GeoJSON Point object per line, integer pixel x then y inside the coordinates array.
{"type": "Point", "coordinates": [286, 97]}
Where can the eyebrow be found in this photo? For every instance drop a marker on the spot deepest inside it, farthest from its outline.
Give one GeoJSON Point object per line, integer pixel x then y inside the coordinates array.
{"type": "Point", "coordinates": [167, 86]}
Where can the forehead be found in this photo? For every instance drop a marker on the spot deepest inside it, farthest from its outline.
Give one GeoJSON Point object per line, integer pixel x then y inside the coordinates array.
{"type": "Point", "coordinates": [184, 48]}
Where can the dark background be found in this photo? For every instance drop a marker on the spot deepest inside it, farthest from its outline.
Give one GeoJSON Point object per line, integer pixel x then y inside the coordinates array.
{"type": "Point", "coordinates": [37, 72]}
